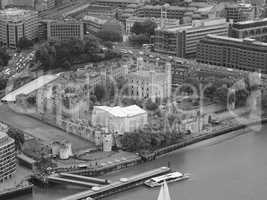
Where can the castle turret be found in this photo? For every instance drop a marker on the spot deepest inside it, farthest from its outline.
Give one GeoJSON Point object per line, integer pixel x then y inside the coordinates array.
{"type": "Point", "coordinates": [140, 64]}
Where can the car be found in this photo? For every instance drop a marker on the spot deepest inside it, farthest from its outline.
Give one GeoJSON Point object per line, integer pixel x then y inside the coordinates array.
{"type": "Point", "coordinates": [214, 121]}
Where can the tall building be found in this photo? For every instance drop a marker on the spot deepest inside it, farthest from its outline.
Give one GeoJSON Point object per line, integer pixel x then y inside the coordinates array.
{"type": "Point", "coordinates": [17, 23]}
{"type": "Point", "coordinates": [128, 11]}
{"type": "Point", "coordinates": [100, 10]}
{"type": "Point", "coordinates": [18, 3]}
{"type": "Point", "coordinates": [149, 83]}
{"type": "Point", "coordinates": [182, 41]}
{"type": "Point", "coordinates": [256, 29]}
{"type": "Point", "coordinates": [167, 22]}
{"type": "Point", "coordinates": [39, 5]}
{"type": "Point", "coordinates": [42, 5]}
{"type": "Point", "coordinates": [64, 29]}
{"type": "Point", "coordinates": [7, 157]}
{"type": "Point", "coordinates": [239, 12]}
{"type": "Point", "coordinates": [244, 54]}
{"type": "Point", "coordinates": [94, 24]}
{"type": "Point", "coordinates": [173, 12]}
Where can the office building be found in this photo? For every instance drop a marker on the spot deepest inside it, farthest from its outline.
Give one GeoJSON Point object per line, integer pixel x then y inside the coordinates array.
{"type": "Point", "coordinates": [243, 54]}
{"type": "Point", "coordinates": [182, 41]}
{"type": "Point", "coordinates": [42, 5]}
{"type": "Point", "coordinates": [100, 10]}
{"type": "Point", "coordinates": [239, 12]}
{"type": "Point", "coordinates": [7, 157]}
{"type": "Point", "coordinates": [93, 10]}
{"type": "Point", "coordinates": [172, 12]}
{"type": "Point", "coordinates": [118, 119]}
{"type": "Point", "coordinates": [18, 3]}
{"type": "Point", "coordinates": [256, 29]}
{"type": "Point", "coordinates": [39, 5]}
{"type": "Point", "coordinates": [60, 30]}
{"type": "Point", "coordinates": [93, 24]}
{"type": "Point", "coordinates": [118, 3]}
{"type": "Point", "coordinates": [17, 23]}
{"type": "Point", "coordinates": [128, 11]}
{"type": "Point", "coordinates": [159, 21]}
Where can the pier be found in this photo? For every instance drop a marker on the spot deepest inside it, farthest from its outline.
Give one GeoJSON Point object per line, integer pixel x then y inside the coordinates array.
{"type": "Point", "coordinates": [119, 186]}
{"type": "Point", "coordinates": [66, 178]}
{"type": "Point", "coordinates": [85, 178]}
{"type": "Point", "coordinates": [56, 179]}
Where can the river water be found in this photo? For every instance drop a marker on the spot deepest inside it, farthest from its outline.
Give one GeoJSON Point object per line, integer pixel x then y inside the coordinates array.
{"type": "Point", "coordinates": [229, 167]}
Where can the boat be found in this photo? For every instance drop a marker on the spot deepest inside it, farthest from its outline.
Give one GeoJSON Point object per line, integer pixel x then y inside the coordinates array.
{"type": "Point", "coordinates": [169, 178]}
{"type": "Point", "coordinates": [164, 192]}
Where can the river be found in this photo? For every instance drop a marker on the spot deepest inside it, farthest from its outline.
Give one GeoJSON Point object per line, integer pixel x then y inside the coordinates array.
{"type": "Point", "coordinates": [232, 167]}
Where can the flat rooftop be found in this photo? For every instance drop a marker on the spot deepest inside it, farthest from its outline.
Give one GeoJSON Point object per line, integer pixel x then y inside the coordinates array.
{"type": "Point", "coordinates": [98, 19]}
{"type": "Point", "coordinates": [2, 135]}
{"type": "Point", "coordinates": [121, 1]}
{"type": "Point", "coordinates": [237, 40]}
{"type": "Point", "coordinates": [197, 24]}
{"type": "Point", "coordinates": [30, 87]}
{"type": "Point", "coordinates": [118, 111]}
{"type": "Point", "coordinates": [15, 14]}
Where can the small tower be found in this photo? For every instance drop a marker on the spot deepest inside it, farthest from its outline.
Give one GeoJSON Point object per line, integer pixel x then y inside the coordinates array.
{"type": "Point", "coordinates": [140, 64]}
{"type": "Point", "coordinates": [163, 15]}
{"type": "Point", "coordinates": [168, 71]}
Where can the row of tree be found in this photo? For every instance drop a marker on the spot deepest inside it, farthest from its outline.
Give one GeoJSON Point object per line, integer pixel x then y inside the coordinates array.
{"type": "Point", "coordinates": [146, 139]}
{"type": "Point", "coordinates": [4, 58]}
{"type": "Point", "coordinates": [64, 54]}
{"type": "Point", "coordinates": [142, 32]}
{"type": "Point", "coordinates": [108, 35]}
{"type": "Point", "coordinates": [218, 91]}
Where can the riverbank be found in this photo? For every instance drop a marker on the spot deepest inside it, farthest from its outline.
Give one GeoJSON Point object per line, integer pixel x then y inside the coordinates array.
{"type": "Point", "coordinates": [17, 190]}
{"type": "Point", "coordinates": [103, 170]}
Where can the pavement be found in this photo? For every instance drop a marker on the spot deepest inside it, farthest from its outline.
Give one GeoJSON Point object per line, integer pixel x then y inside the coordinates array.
{"type": "Point", "coordinates": [100, 159]}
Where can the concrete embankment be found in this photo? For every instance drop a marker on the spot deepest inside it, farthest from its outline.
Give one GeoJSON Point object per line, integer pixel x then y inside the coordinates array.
{"type": "Point", "coordinates": [160, 152]}
{"type": "Point", "coordinates": [16, 191]}
{"type": "Point", "coordinates": [199, 138]}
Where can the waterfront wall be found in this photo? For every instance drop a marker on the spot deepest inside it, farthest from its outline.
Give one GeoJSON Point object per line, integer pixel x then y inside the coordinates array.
{"type": "Point", "coordinates": [168, 149]}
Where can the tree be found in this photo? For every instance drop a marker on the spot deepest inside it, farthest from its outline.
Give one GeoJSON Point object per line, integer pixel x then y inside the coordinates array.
{"type": "Point", "coordinates": [46, 55]}
{"type": "Point", "coordinates": [139, 39]}
{"type": "Point", "coordinates": [31, 100]}
{"type": "Point", "coordinates": [24, 43]}
{"type": "Point", "coordinates": [4, 57]}
{"type": "Point", "coordinates": [108, 44]}
{"type": "Point", "coordinates": [151, 105]}
{"type": "Point", "coordinates": [99, 92]}
{"type": "Point", "coordinates": [3, 83]}
{"type": "Point", "coordinates": [17, 136]}
{"type": "Point", "coordinates": [147, 27]}
{"type": "Point", "coordinates": [107, 35]}
{"type": "Point", "coordinates": [136, 141]}
{"type": "Point", "coordinates": [241, 97]}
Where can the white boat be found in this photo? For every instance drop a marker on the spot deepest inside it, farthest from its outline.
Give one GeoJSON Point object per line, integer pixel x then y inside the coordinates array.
{"type": "Point", "coordinates": [169, 178]}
